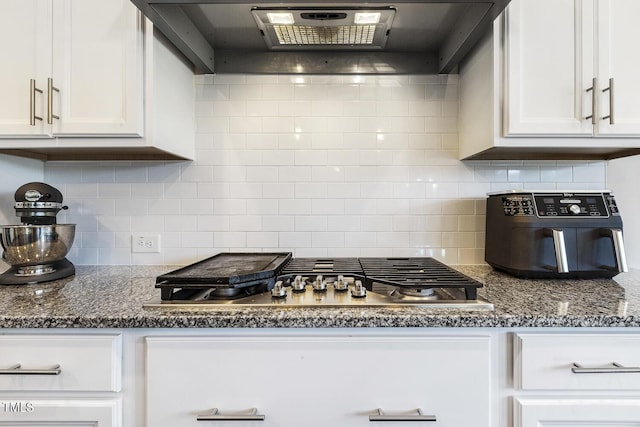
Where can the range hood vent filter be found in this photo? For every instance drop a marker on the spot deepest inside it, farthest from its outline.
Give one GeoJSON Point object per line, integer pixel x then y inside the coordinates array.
{"type": "Point", "coordinates": [327, 29]}
{"type": "Point", "coordinates": [342, 35]}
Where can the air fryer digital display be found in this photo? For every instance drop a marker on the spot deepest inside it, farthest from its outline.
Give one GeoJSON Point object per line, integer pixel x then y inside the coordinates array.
{"type": "Point", "coordinates": [570, 205]}
{"type": "Point", "coordinates": [546, 205]}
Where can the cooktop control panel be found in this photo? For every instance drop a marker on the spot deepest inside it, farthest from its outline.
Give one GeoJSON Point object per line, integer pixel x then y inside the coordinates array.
{"type": "Point", "coordinates": [544, 205]}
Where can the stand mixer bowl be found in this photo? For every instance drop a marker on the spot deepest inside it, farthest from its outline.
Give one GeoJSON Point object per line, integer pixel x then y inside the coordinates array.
{"type": "Point", "coordinates": [26, 245]}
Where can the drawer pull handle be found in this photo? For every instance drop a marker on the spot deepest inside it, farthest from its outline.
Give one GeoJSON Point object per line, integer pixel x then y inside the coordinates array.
{"type": "Point", "coordinates": [381, 416]}
{"type": "Point", "coordinates": [217, 416]}
{"type": "Point", "coordinates": [17, 369]}
{"type": "Point", "coordinates": [615, 368]}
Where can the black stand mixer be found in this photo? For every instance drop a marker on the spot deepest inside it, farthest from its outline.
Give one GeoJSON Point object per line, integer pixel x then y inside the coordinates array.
{"type": "Point", "coordinates": [36, 249]}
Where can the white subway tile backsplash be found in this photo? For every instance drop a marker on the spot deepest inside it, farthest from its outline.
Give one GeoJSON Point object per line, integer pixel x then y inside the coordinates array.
{"type": "Point", "coordinates": [311, 223]}
{"type": "Point", "coordinates": [114, 191]}
{"type": "Point", "coordinates": [329, 239]}
{"type": "Point", "coordinates": [229, 239]}
{"type": "Point", "coordinates": [278, 190]}
{"type": "Point", "coordinates": [147, 223]}
{"type": "Point", "coordinates": [131, 207]}
{"type": "Point", "coordinates": [278, 223]}
{"type": "Point", "coordinates": [200, 239]}
{"type": "Point", "coordinates": [196, 207]}
{"type": "Point", "coordinates": [113, 223]}
{"type": "Point", "coordinates": [294, 207]}
{"type": "Point", "coordinates": [262, 239]}
{"type": "Point", "coordinates": [320, 165]}
{"type": "Point", "coordinates": [213, 223]}
{"type": "Point", "coordinates": [245, 223]}
{"type": "Point", "coordinates": [296, 239]}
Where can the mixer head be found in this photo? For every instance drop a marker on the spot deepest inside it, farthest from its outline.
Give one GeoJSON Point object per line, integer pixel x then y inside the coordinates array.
{"type": "Point", "coordinates": [38, 203]}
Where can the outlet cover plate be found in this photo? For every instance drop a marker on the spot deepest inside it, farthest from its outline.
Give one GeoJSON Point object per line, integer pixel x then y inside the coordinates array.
{"type": "Point", "coordinates": [145, 243]}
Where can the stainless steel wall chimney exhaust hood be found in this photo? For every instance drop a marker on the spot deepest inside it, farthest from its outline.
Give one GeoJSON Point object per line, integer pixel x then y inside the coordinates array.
{"type": "Point", "coordinates": [317, 37]}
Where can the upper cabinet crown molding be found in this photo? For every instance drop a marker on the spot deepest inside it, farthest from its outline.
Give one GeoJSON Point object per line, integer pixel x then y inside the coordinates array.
{"type": "Point", "coordinates": [85, 84]}
{"type": "Point", "coordinates": [546, 71]}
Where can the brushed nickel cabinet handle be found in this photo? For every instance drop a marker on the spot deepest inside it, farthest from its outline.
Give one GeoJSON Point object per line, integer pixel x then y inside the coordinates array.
{"type": "Point", "coordinates": [615, 368]}
{"type": "Point", "coordinates": [594, 101]}
{"type": "Point", "coordinates": [381, 416]}
{"type": "Point", "coordinates": [610, 89]}
{"type": "Point", "coordinates": [50, 89]}
{"type": "Point", "coordinates": [32, 102]}
{"type": "Point", "coordinates": [17, 369]}
{"type": "Point", "coordinates": [215, 415]}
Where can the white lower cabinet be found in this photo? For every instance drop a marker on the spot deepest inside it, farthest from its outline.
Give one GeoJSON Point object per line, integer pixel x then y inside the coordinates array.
{"type": "Point", "coordinates": [61, 380]}
{"type": "Point", "coordinates": [557, 412]}
{"type": "Point", "coordinates": [576, 379]}
{"type": "Point", "coordinates": [63, 412]}
{"type": "Point", "coordinates": [318, 381]}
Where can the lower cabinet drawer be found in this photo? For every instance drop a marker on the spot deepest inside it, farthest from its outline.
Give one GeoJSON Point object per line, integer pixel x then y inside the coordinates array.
{"type": "Point", "coordinates": [318, 381]}
{"type": "Point", "coordinates": [61, 412]}
{"type": "Point", "coordinates": [60, 362]}
{"type": "Point", "coordinates": [577, 361]}
{"type": "Point", "coordinates": [534, 412]}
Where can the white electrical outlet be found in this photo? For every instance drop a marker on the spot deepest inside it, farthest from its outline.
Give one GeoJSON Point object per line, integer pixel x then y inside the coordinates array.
{"type": "Point", "coordinates": [149, 243]}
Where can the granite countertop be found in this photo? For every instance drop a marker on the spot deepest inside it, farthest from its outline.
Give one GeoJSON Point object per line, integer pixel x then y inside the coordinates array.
{"type": "Point", "coordinates": [113, 297]}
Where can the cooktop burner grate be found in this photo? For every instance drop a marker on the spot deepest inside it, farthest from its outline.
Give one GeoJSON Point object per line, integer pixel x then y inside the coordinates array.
{"type": "Point", "coordinates": [312, 267]}
{"type": "Point", "coordinates": [416, 273]}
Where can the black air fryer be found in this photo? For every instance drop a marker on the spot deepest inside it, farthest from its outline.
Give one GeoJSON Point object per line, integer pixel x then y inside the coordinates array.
{"type": "Point", "coordinates": [555, 234]}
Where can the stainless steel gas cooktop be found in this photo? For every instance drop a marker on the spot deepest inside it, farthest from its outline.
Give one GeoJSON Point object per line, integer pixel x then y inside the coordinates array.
{"type": "Point", "coordinates": [278, 280]}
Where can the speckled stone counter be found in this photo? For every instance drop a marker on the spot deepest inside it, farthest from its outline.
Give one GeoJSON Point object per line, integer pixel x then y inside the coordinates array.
{"type": "Point", "coordinates": [113, 297]}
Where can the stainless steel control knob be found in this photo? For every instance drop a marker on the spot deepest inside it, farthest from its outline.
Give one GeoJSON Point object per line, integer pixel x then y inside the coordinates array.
{"type": "Point", "coordinates": [574, 209]}
{"type": "Point", "coordinates": [340, 284]}
{"type": "Point", "coordinates": [358, 291]}
{"type": "Point", "coordinates": [298, 284]}
{"type": "Point", "coordinates": [278, 291]}
{"type": "Point", "coordinates": [319, 284]}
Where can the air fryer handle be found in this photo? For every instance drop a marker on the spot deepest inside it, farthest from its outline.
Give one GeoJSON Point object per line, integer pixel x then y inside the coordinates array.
{"type": "Point", "coordinates": [559, 248]}
{"type": "Point", "coordinates": [618, 247]}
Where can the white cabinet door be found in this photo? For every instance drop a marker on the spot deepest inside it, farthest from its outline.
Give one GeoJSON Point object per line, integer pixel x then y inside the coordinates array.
{"type": "Point", "coordinates": [60, 363]}
{"type": "Point", "coordinates": [549, 65]}
{"type": "Point", "coordinates": [25, 43]}
{"type": "Point", "coordinates": [98, 68]}
{"type": "Point", "coordinates": [559, 412]}
{"type": "Point", "coordinates": [60, 412]}
{"type": "Point", "coordinates": [619, 38]}
{"type": "Point", "coordinates": [318, 381]}
{"type": "Point", "coordinates": [546, 361]}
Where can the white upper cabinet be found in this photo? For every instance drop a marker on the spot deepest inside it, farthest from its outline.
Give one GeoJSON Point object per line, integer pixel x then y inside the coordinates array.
{"type": "Point", "coordinates": [548, 66]}
{"type": "Point", "coordinates": [91, 80]}
{"type": "Point", "coordinates": [25, 43]}
{"type": "Point", "coordinates": [618, 62]}
{"type": "Point", "coordinates": [545, 72]}
{"type": "Point", "coordinates": [84, 58]}
{"type": "Point", "coordinates": [97, 67]}
{"type": "Point", "coordinates": [555, 51]}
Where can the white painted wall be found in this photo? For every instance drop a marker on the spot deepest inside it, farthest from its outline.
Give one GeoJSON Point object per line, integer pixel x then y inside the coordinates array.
{"type": "Point", "coordinates": [317, 165]}
{"type": "Point", "coordinates": [623, 179]}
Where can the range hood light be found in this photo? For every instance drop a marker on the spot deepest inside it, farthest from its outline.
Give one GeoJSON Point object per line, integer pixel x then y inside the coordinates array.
{"type": "Point", "coordinates": [366, 18]}
{"type": "Point", "coordinates": [280, 18]}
